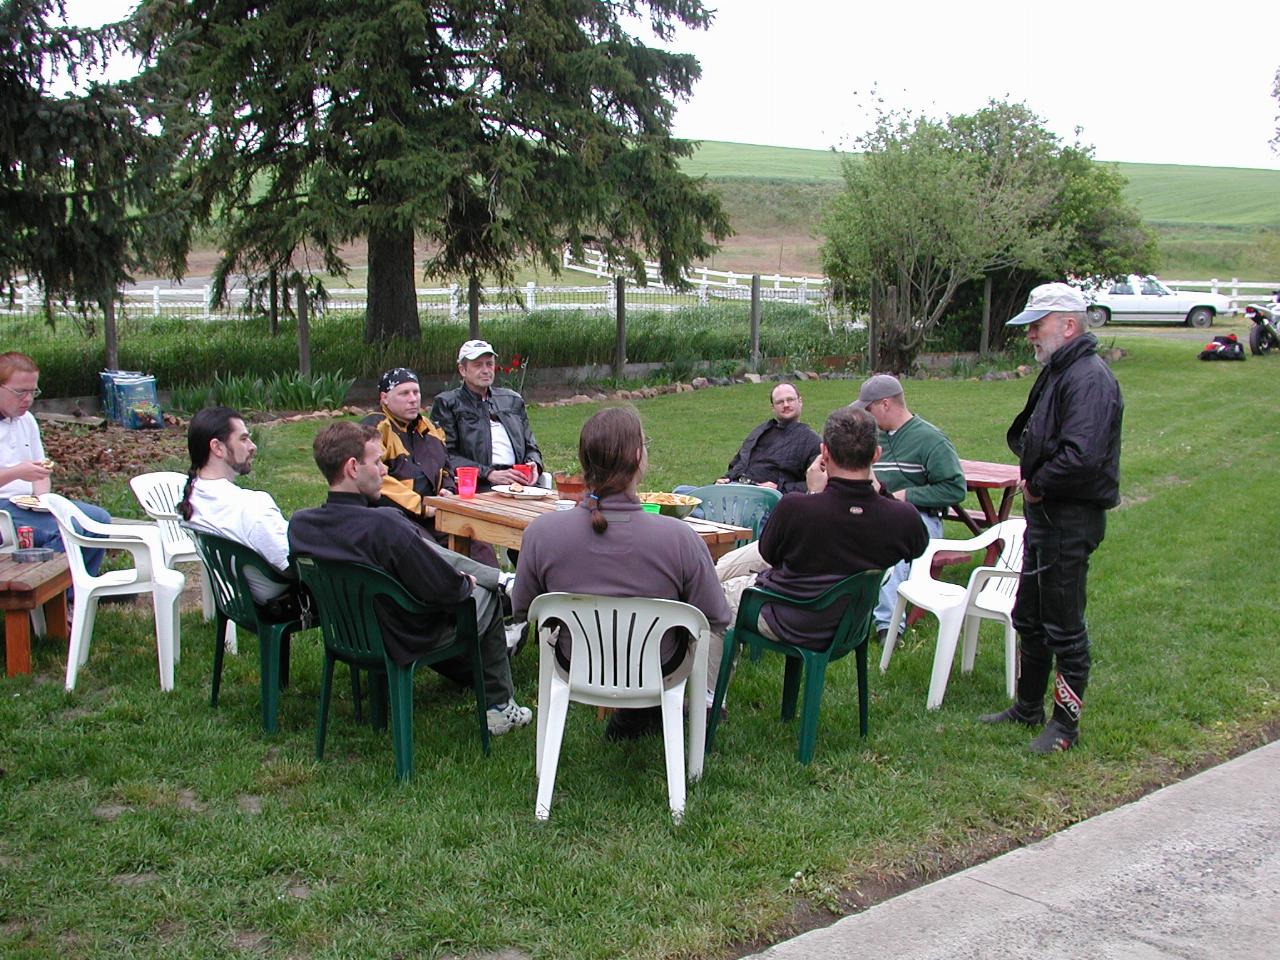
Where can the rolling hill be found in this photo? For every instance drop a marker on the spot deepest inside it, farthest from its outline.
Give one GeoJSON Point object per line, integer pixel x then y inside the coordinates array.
{"type": "Point", "coordinates": [1165, 193]}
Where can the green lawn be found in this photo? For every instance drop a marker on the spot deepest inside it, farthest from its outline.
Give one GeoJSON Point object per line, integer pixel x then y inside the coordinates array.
{"type": "Point", "coordinates": [148, 825]}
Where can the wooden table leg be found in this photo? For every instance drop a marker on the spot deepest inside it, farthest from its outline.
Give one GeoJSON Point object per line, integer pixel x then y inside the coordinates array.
{"type": "Point", "coordinates": [460, 544]}
{"type": "Point", "coordinates": [55, 616]}
{"type": "Point", "coordinates": [17, 641]}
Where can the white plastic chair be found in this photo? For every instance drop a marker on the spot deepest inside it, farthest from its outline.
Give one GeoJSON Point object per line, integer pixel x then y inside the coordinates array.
{"type": "Point", "coordinates": [159, 494]}
{"type": "Point", "coordinates": [149, 575]}
{"type": "Point", "coordinates": [617, 662]}
{"type": "Point", "coordinates": [989, 595]}
{"type": "Point", "coordinates": [8, 535]}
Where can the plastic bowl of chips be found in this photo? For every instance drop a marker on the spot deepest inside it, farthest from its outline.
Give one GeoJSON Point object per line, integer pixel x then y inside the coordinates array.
{"type": "Point", "coordinates": [672, 504]}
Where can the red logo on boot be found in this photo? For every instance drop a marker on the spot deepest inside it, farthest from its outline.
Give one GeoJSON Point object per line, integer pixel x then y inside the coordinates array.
{"type": "Point", "coordinates": [1065, 697]}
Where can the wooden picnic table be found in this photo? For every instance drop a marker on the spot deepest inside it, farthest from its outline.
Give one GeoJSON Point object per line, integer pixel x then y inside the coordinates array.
{"type": "Point", "coordinates": [981, 478]}
{"type": "Point", "coordinates": [23, 587]}
{"type": "Point", "coordinates": [501, 521]}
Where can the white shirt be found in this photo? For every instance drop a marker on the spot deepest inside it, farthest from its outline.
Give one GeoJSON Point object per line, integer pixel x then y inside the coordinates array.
{"type": "Point", "coordinates": [250, 517]}
{"type": "Point", "coordinates": [19, 441]}
{"type": "Point", "coordinates": [504, 454]}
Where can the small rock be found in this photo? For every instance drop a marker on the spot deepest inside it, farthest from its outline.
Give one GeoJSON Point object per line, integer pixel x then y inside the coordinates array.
{"type": "Point", "coordinates": [700, 383]}
{"type": "Point", "coordinates": [752, 377]}
{"type": "Point", "coordinates": [580, 398]}
{"type": "Point", "coordinates": [299, 891]}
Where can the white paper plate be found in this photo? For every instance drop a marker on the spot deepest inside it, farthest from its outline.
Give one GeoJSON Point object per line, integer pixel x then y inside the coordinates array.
{"type": "Point", "coordinates": [528, 493]}
{"type": "Point", "coordinates": [28, 503]}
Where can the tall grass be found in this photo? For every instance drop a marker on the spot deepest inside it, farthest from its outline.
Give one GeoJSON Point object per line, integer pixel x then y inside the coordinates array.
{"type": "Point", "coordinates": [189, 352]}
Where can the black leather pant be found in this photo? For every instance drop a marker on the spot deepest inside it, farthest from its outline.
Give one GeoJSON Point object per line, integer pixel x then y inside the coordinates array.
{"type": "Point", "coordinates": [1049, 611]}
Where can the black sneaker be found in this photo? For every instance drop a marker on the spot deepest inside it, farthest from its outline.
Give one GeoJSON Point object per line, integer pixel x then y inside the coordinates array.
{"type": "Point", "coordinates": [1027, 714]}
{"type": "Point", "coordinates": [1056, 737]}
{"type": "Point", "coordinates": [633, 724]}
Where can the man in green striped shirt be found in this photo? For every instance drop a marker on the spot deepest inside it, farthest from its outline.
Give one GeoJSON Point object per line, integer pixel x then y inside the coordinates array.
{"type": "Point", "coordinates": [917, 464]}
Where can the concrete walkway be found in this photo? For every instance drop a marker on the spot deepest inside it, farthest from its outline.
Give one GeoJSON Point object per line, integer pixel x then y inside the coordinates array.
{"type": "Point", "coordinates": [1191, 871]}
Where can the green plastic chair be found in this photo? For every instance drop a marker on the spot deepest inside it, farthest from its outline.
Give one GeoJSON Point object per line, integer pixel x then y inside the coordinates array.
{"type": "Point", "coordinates": [740, 504]}
{"type": "Point", "coordinates": [226, 562]}
{"type": "Point", "coordinates": [851, 634]}
{"type": "Point", "coordinates": [346, 596]}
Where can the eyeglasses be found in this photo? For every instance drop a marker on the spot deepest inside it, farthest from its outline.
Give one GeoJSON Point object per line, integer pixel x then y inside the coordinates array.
{"type": "Point", "coordinates": [646, 441]}
{"type": "Point", "coordinates": [22, 394]}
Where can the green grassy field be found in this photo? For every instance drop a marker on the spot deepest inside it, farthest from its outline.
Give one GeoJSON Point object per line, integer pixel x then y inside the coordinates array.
{"type": "Point", "coordinates": [148, 825]}
{"type": "Point", "coordinates": [1162, 192]}
{"type": "Point", "coordinates": [1211, 221]}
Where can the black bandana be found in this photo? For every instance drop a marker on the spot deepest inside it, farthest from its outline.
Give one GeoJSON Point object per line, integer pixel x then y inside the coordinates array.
{"type": "Point", "coordinates": [394, 377]}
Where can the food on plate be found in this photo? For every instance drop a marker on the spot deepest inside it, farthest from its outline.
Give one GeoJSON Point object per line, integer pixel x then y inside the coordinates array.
{"type": "Point", "coordinates": [671, 504]}
{"type": "Point", "coordinates": [26, 501]}
{"type": "Point", "coordinates": [516, 487]}
{"type": "Point", "coordinates": [669, 499]}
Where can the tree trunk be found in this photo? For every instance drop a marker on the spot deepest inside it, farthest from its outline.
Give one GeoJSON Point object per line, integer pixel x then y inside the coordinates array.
{"type": "Point", "coordinates": [304, 330]}
{"type": "Point", "coordinates": [984, 346]}
{"type": "Point", "coordinates": [109, 335]}
{"type": "Point", "coordinates": [393, 306]}
{"type": "Point", "coordinates": [473, 308]}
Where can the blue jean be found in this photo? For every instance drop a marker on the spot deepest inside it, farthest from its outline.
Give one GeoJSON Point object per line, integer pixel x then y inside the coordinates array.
{"type": "Point", "coordinates": [46, 528]}
{"type": "Point", "coordinates": [898, 573]}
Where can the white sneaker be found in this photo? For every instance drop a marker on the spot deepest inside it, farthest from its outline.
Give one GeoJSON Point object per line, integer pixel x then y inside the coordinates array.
{"type": "Point", "coordinates": [507, 717]}
{"type": "Point", "coordinates": [505, 580]}
{"type": "Point", "coordinates": [515, 636]}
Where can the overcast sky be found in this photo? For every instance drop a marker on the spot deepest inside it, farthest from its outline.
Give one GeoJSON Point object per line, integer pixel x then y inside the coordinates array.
{"type": "Point", "coordinates": [1149, 82]}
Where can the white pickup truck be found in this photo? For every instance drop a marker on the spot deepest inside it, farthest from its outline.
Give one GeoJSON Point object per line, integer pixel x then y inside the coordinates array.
{"type": "Point", "coordinates": [1148, 300]}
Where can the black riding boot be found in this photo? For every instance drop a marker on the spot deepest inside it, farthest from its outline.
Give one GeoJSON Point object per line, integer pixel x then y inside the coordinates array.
{"type": "Point", "coordinates": [1034, 664]}
{"type": "Point", "coordinates": [1063, 728]}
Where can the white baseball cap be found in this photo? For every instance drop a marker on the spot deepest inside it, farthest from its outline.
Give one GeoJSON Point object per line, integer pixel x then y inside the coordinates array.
{"type": "Point", "coordinates": [474, 349]}
{"type": "Point", "coordinates": [1049, 298]}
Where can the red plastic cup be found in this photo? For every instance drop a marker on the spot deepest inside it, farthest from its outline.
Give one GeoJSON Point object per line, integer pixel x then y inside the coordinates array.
{"type": "Point", "coordinates": [527, 472]}
{"type": "Point", "coordinates": [467, 477]}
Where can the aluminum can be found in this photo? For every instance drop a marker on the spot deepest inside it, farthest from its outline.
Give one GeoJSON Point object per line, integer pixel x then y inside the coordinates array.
{"type": "Point", "coordinates": [26, 537]}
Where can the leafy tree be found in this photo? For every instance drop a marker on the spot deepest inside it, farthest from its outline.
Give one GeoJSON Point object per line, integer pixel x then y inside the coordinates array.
{"type": "Point", "coordinates": [79, 207]}
{"type": "Point", "coordinates": [929, 206]}
{"type": "Point", "coordinates": [495, 130]}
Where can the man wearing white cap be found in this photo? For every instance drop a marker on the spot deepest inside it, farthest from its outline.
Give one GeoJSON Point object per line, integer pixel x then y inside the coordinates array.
{"type": "Point", "coordinates": [917, 464]}
{"type": "Point", "coordinates": [1067, 439]}
{"type": "Point", "coordinates": [485, 426]}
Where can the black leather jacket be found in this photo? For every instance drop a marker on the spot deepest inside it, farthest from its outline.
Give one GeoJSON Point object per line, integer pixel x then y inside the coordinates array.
{"type": "Point", "coordinates": [1067, 438]}
{"type": "Point", "coordinates": [789, 458]}
{"type": "Point", "coordinates": [464, 417]}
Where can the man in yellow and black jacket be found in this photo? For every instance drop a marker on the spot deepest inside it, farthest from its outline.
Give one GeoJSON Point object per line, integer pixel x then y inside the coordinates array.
{"type": "Point", "coordinates": [413, 450]}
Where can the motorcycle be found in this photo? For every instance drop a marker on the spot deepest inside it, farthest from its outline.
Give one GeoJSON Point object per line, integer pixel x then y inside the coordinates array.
{"type": "Point", "coordinates": [1264, 335]}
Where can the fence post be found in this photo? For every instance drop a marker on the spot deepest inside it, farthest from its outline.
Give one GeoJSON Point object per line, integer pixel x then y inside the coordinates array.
{"type": "Point", "coordinates": [1213, 285]}
{"type": "Point", "coordinates": [531, 296]}
{"type": "Point", "coordinates": [453, 303]}
{"type": "Point", "coordinates": [473, 307]}
{"type": "Point", "coordinates": [205, 297]}
{"type": "Point", "coordinates": [620, 341]}
{"type": "Point", "coordinates": [1235, 287]}
{"type": "Point", "coordinates": [755, 322]}
{"type": "Point", "coordinates": [155, 301]}
{"type": "Point", "coordinates": [304, 330]}
{"type": "Point", "coordinates": [704, 295]}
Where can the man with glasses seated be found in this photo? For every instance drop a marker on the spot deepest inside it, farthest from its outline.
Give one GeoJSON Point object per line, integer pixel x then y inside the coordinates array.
{"type": "Point", "coordinates": [486, 426]}
{"type": "Point", "coordinates": [777, 453]}
{"type": "Point", "coordinates": [24, 469]}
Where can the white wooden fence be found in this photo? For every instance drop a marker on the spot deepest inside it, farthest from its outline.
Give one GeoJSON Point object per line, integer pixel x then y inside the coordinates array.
{"type": "Point", "coordinates": [448, 304]}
